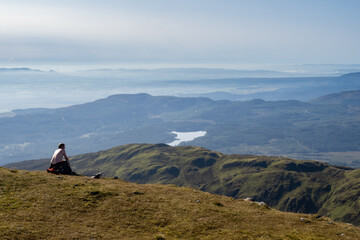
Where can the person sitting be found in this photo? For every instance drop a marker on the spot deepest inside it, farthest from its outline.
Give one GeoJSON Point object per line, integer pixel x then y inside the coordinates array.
{"type": "Point", "coordinates": [57, 164]}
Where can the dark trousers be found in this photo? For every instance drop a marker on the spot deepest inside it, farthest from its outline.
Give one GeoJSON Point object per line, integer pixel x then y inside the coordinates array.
{"type": "Point", "coordinates": [61, 167]}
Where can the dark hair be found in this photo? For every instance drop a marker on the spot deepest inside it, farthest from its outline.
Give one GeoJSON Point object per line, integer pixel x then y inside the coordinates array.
{"type": "Point", "coordinates": [61, 145]}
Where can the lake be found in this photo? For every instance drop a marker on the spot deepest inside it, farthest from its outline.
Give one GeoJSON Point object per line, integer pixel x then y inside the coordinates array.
{"type": "Point", "coordinates": [186, 137]}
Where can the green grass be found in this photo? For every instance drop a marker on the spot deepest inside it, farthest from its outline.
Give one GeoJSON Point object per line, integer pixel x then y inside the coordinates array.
{"type": "Point", "coordinates": [38, 205]}
{"type": "Point", "coordinates": [282, 183]}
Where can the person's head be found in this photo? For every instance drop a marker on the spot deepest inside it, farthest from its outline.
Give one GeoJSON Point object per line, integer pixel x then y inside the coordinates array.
{"type": "Point", "coordinates": [61, 145]}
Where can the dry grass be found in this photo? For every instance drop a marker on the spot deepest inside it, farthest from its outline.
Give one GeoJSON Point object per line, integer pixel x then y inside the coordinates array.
{"type": "Point", "coordinates": [37, 205]}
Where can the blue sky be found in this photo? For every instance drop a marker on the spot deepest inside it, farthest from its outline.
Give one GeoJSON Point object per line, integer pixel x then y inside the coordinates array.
{"type": "Point", "coordinates": [182, 31]}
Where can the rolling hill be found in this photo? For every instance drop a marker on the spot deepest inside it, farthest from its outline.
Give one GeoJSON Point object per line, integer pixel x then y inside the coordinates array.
{"type": "Point", "coordinates": [38, 205]}
{"type": "Point", "coordinates": [343, 98]}
{"type": "Point", "coordinates": [283, 183]}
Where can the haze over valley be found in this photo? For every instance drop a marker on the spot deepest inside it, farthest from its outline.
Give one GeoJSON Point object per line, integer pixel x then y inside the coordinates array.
{"type": "Point", "coordinates": [30, 88]}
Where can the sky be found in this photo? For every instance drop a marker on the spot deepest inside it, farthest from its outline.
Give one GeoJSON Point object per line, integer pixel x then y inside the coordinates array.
{"type": "Point", "coordinates": [180, 31]}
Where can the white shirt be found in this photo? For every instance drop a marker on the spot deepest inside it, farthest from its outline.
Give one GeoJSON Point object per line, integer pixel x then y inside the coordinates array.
{"type": "Point", "coordinates": [58, 156]}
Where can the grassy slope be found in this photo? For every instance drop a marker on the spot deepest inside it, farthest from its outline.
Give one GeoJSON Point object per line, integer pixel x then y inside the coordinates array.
{"type": "Point", "coordinates": [37, 205]}
{"type": "Point", "coordinates": [344, 202]}
{"type": "Point", "coordinates": [285, 184]}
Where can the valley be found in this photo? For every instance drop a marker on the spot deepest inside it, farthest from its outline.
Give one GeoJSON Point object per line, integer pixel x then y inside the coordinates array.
{"type": "Point", "coordinates": [302, 130]}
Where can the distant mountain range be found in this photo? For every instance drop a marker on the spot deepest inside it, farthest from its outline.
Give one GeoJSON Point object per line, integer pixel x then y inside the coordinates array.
{"type": "Point", "coordinates": [27, 88]}
{"type": "Point", "coordinates": [271, 89]}
{"type": "Point", "coordinates": [283, 183]}
{"type": "Point", "coordinates": [182, 74]}
{"type": "Point", "coordinates": [188, 73]}
{"type": "Point", "coordinates": [16, 69]}
{"type": "Point", "coordinates": [328, 132]}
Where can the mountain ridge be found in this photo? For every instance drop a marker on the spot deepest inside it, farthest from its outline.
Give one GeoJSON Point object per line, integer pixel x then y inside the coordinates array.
{"type": "Point", "coordinates": [283, 183]}
{"type": "Point", "coordinates": [343, 98]}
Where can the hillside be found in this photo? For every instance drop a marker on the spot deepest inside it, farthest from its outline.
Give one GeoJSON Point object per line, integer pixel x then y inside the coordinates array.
{"type": "Point", "coordinates": [328, 132]}
{"type": "Point", "coordinates": [38, 205]}
{"type": "Point", "coordinates": [344, 98]}
{"type": "Point", "coordinates": [283, 183]}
